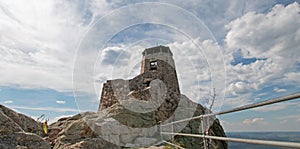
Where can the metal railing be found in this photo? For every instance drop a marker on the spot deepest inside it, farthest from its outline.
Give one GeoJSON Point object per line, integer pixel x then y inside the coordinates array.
{"type": "Point", "coordinates": [250, 141]}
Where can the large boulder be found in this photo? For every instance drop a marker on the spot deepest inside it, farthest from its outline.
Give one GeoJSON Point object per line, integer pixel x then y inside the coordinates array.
{"type": "Point", "coordinates": [73, 132]}
{"type": "Point", "coordinates": [22, 140]}
{"type": "Point", "coordinates": [20, 131]}
{"type": "Point", "coordinates": [25, 123]}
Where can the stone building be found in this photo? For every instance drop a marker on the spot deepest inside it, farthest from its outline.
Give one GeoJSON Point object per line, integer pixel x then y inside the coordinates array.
{"type": "Point", "coordinates": [157, 84]}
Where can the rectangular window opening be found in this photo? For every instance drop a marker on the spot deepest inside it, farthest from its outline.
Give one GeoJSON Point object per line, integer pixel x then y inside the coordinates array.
{"type": "Point", "coordinates": [153, 65]}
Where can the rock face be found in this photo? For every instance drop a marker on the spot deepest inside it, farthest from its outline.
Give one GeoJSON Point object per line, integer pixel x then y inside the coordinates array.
{"type": "Point", "coordinates": [73, 132]}
{"type": "Point", "coordinates": [211, 126]}
{"type": "Point", "coordinates": [20, 131]}
{"type": "Point", "coordinates": [117, 127]}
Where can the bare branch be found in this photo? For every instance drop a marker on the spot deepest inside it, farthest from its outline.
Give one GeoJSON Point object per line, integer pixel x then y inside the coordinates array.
{"type": "Point", "coordinates": [213, 99]}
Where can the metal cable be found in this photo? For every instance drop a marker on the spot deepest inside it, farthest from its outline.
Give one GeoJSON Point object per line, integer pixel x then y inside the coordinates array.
{"type": "Point", "coordinates": [250, 106]}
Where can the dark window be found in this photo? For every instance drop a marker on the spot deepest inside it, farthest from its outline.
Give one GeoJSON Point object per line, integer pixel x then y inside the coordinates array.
{"type": "Point", "coordinates": [148, 83]}
{"type": "Point", "coordinates": [153, 65]}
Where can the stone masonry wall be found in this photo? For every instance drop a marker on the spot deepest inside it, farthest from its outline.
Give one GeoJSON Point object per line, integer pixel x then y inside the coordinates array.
{"type": "Point", "coordinates": [108, 97]}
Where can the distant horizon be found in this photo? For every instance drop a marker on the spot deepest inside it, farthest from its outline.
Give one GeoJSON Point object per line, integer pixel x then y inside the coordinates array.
{"type": "Point", "coordinates": [261, 131]}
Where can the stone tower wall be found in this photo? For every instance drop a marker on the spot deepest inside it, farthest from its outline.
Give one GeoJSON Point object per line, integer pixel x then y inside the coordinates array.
{"type": "Point", "coordinates": [108, 97]}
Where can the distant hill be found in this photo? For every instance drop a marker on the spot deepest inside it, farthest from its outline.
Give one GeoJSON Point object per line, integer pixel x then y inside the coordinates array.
{"type": "Point", "coordinates": [274, 136]}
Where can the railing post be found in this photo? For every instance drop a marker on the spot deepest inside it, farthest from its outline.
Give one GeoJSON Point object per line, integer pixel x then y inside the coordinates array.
{"type": "Point", "coordinates": [173, 140]}
{"type": "Point", "coordinates": [203, 132]}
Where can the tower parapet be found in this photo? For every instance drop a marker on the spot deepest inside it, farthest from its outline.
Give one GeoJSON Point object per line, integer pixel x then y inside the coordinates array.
{"type": "Point", "coordinates": [151, 55]}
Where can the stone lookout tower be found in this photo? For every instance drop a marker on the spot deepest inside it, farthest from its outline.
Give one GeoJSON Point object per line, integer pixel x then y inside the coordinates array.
{"type": "Point", "coordinates": [157, 81]}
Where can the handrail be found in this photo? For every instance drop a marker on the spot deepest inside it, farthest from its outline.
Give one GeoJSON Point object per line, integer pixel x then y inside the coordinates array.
{"type": "Point", "coordinates": [250, 141]}
{"type": "Point", "coordinates": [250, 106]}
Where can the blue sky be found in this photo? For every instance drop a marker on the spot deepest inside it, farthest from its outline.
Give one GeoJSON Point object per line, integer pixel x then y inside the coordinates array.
{"type": "Point", "coordinates": [55, 55]}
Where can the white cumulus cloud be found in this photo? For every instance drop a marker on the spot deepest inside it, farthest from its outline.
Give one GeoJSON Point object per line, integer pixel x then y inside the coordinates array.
{"type": "Point", "coordinates": [38, 40]}
{"type": "Point", "coordinates": [8, 101]}
{"type": "Point", "coordinates": [60, 101]}
{"type": "Point", "coordinates": [254, 121]}
{"type": "Point", "coordinates": [272, 39]}
{"type": "Point", "coordinates": [276, 89]}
